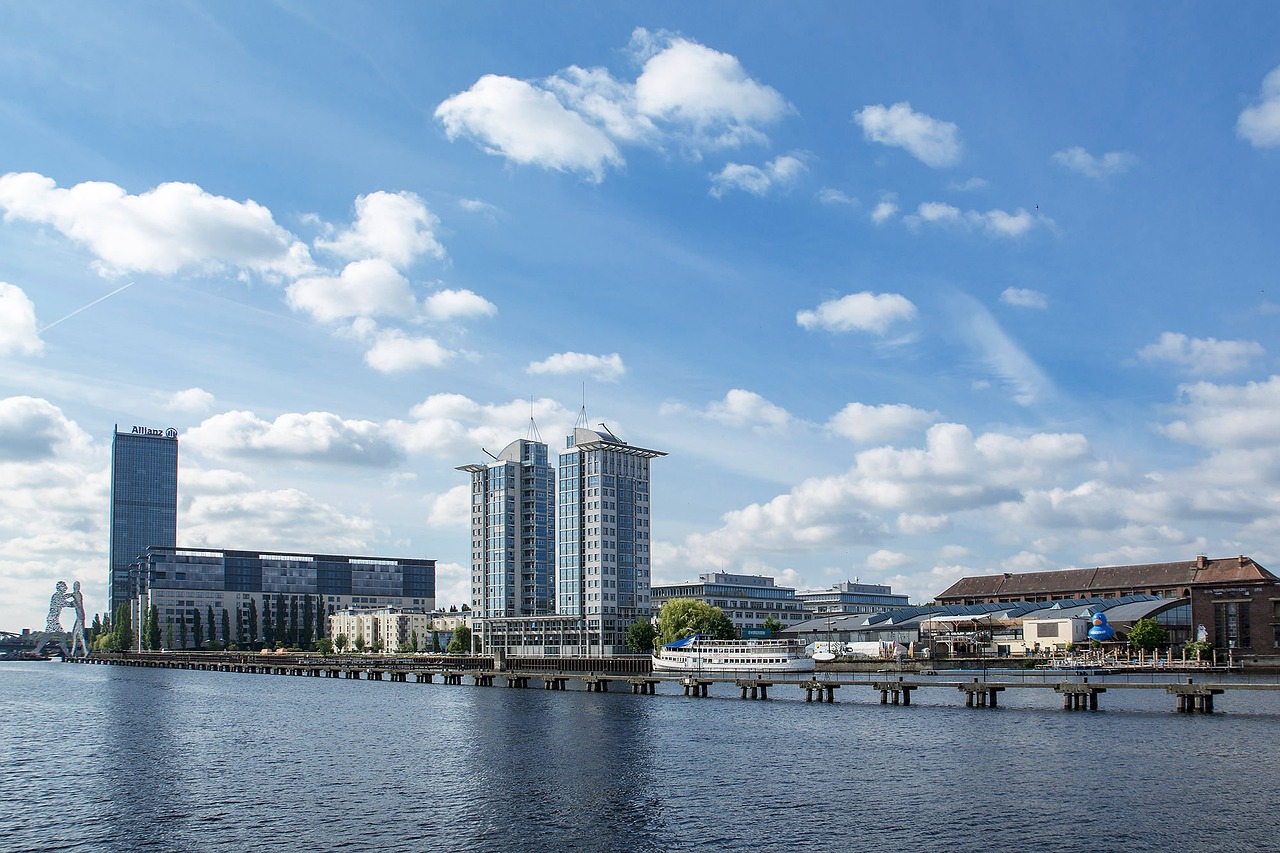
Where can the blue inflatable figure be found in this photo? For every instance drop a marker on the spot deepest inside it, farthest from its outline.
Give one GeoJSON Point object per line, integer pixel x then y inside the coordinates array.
{"type": "Point", "coordinates": [1101, 631]}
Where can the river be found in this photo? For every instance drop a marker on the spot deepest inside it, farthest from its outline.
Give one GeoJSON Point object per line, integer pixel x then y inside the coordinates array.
{"type": "Point", "coordinates": [102, 758]}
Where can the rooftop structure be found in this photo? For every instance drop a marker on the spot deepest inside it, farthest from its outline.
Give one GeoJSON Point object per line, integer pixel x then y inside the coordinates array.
{"type": "Point", "coordinates": [851, 597]}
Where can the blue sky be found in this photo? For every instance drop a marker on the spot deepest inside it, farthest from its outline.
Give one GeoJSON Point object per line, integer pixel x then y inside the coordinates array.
{"type": "Point", "coordinates": [907, 291]}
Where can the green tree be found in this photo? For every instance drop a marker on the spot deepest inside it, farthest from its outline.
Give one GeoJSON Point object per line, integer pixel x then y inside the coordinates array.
{"type": "Point", "coordinates": [295, 627]}
{"type": "Point", "coordinates": [324, 646]}
{"type": "Point", "coordinates": [95, 630]}
{"type": "Point", "coordinates": [1148, 634]}
{"type": "Point", "coordinates": [182, 632]}
{"type": "Point", "coordinates": [1199, 649]}
{"type": "Point", "coordinates": [640, 634]}
{"type": "Point", "coordinates": [240, 641]}
{"type": "Point", "coordinates": [340, 643]}
{"type": "Point", "coordinates": [435, 641]}
{"type": "Point", "coordinates": [153, 628]}
{"type": "Point", "coordinates": [122, 630]}
{"type": "Point", "coordinates": [197, 630]}
{"type": "Point", "coordinates": [376, 646]}
{"type": "Point", "coordinates": [413, 640]}
{"type": "Point", "coordinates": [146, 627]}
{"type": "Point", "coordinates": [168, 635]}
{"type": "Point", "coordinates": [322, 623]}
{"type": "Point", "coordinates": [308, 623]}
{"type": "Point", "coordinates": [461, 642]}
{"type": "Point", "coordinates": [253, 622]}
{"type": "Point", "coordinates": [282, 621]}
{"type": "Point", "coordinates": [226, 627]}
{"type": "Point", "coordinates": [359, 644]}
{"type": "Point", "coordinates": [684, 617]}
{"type": "Point", "coordinates": [268, 624]}
{"type": "Point", "coordinates": [213, 628]}
{"type": "Point", "coordinates": [773, 626]}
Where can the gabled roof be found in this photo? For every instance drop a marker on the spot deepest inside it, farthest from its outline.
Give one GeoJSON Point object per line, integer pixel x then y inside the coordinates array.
{"type": "Point", "coordinates": [1187, 573]}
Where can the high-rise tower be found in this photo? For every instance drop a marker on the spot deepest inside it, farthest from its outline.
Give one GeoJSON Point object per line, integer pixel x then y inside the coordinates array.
{"type": "Point", "coordinates": [144, 501]}
{"type": "Point", "coordinates": [603, 511]}
{"type": "Point", "coordinates": [512, 532]}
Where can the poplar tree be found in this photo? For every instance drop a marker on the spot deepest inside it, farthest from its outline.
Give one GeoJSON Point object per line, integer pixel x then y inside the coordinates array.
{"type": "Point", "coordinates": [253, 621]}
{"type": "Point", "coordinates": [168, 633]}
{"type": "Point", "coordinates": [239, 626]}
{"type": "Point", "coordinates": [226, 627]}
{"type": "Point", "coordinates": [197, 631]}
{"type": "Point", "coordinates": [182, 632]}
{"type": "Point", "coordinates": [213, 627]}
{"type": "Point", "coordinates": [294, 628]}
{"type": "Point", "coordinates": [153, 628]}
{"type": "Point", "coordinates": [122, 632]}
{"type": "Point", "coordinates": [282, 620]}
{"type": "Point", "coordinates": [268, 626]}
{"type": "Point", "coordinates": [308, 622]}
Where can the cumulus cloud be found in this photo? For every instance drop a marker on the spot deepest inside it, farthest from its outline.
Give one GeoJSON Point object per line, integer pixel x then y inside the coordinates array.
{"type": "Point", "coordinates": [1202, 356]}
{"type": "Point", "coordinates": [1238, 417]}
{"type": "Point", "coordinates": [1259, 125]}
{"type": "Point", "coordinates": [705, 91]}
{"type": "Point", "coordinates": [527, 125]}
{"type": "Point", "coordinates": [394, 351]}
{"type": "Point", "coordinates": [606, 368]}
{"type": "Point", "coordinates": [457, 305]}
{"type": "Point", "coordinates": [995, 222]}
{"type": "Point", "coordinates": [871, 424]}
{"type": "Point", "coordinates": [394, 227]}
{"type": "Point", "coordinates": [173, 228]}
{"type": "Point", "coordinates": [885, 560]}
{"type": "Point", "coordinates": [280, 520]}
{"type": "Point", "coordinates": [312, 437]}
{"type": "Point", "coordinates": [32, 429]}
{"type": "Point", "coordinates": [453, 424]}
{"type": "Point", "coordinates": [686, 94]}
{"type": "Point", "coordinates": [191, 400]}
{"type": "Point", "coordinates": [884, 210]}
{"type": "Point", "coordinates": [1079, 160]}
{"type": "Point", "coordinates": [915, 524]}
{"type": "Point", "coordinates": [451, 509]}
{"type": "Point", "coordinates": [1022, 297]}
{"type": "Point", "coordinates": [864, 312]}
{"type": "Point", "coordinates": [780, 172]}
{"type": "Point", "coordinates": [740, 408]}
{"type": "Point", "coordinates": [829, 195]}
{"type": "Point", "coordinates": [18, 331]}
{"type": "Point", "coordinates": [368, 288]}
{"type": "Point", "coordinates": [932, 142]}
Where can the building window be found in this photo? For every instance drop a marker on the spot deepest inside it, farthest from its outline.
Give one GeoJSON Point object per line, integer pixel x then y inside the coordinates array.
{"type": "Point", "coordinates": [1231, 625]}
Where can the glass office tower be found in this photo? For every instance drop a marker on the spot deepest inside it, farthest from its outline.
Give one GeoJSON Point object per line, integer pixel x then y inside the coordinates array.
{"type": "Point", "coordinates": [603, 511]}
{"type": "Point", "coordinates": [144, 501]}
{"type": "Point", "coordinates": [513, 533]}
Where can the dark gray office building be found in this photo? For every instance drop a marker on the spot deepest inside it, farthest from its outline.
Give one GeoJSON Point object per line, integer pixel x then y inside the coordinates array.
{"type": "Point", "coordinates": [144, 501]}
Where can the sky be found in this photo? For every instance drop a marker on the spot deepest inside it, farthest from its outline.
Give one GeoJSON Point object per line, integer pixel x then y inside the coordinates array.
{"type": "Point", "coordinates": [906, 291]}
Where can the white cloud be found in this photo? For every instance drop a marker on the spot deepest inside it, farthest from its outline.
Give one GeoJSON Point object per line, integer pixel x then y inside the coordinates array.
{"type": "Point", "coordinates": [995, 222]}
{"type": "Point", "coordinates": [829, 195]}
{"type": "Point", "coordinates": [703, 91]}
{"type": "Point", "coordinates": [451, 509]}
{"type": "Point", "coordinates": [394, 227]}
{"type": "Point", "coordinates": [475, 205]}
{"type": "Point", "coordinates": [313, 437]}
{"type": "Point", "coordinates": [394, 351]}
{"type": "Point", "coordinates": [281, 520]}
{"type": "Point", "coordinates": [914, 524]}
{"type": "Point", "coordinates": [368, 288]}
{"type": "Point", "coordinates": [1259, 125]}
{"type": "Point", "coordinates": [452, 425]}
{"type": "Point", "coordinates": [1228, 416]}
{"type": "Point", "coordinates": [932, 142]}
{"type": "Point", "coordinates": [741, 408]}
{"type": "Point", "coordinates": [32, 429]}
{"type": "Point", "coordinates": [884, 210]}
{"type": "Point", "coordinates": [780, 172]}
{"type": "Point", "coordinates": [1006, 359]}
{"type": "Point", "coordinates": [1022, 297]}
{"type": "Point", "coordinates": [457, 304]}
{"type": "Point", "coordinates": [173, 228]}
{"type": "Point", "coordinates": [1202, 356]}
{"type": "Point", "coordinates": [606, 368]}
{"type": "Point", "coordinates": [970, 185]}
{"type": "Point", "coordinates": [1079, 160]}
{"type": "Point", "coordinates": [884, 560]}
{"type": "Point", "coordinates": [607, 102]}
{"type": "Point", "coordinates": [191, 400]}
{"type": "Point", "coordinates": [870, 424]}
{"type": "Point", "coordinates": [865, 312]}
{"type": "Point", "coordinates": [527, 125]}
{"type": "Point", "coordinates": [18, 332]}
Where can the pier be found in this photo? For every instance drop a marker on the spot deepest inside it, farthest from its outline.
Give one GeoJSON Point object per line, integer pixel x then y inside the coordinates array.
{"type": "Point", "coordinates": [596, 675]}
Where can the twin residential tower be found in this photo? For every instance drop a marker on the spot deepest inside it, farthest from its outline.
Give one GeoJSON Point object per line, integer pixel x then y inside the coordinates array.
{"type": "Point", "coordinates": [575, 592]}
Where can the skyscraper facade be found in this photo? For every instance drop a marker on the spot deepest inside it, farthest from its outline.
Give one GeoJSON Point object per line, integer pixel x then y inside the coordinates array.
{"type": "Point", "coordinates": [513, 533]}
{"type": "Point", "coordinates": [144, 501]}
{"type": "Point", "coordinates": [603, 511]}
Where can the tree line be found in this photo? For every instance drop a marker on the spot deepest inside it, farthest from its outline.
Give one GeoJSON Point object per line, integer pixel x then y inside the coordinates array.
{"type": "Point", "coordinates": [295, 622]}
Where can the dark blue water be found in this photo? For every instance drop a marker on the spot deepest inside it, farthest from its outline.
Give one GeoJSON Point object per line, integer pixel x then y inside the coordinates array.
{"type": "Point", "coordinates": [121, 759]}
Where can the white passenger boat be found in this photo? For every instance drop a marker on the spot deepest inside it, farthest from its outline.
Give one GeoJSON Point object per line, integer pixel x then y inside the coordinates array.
{"type": "Point", "coordinates": [702, 654]}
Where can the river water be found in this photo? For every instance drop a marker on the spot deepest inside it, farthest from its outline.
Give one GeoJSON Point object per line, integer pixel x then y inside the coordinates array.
{"type": "Point", "coordinates": [101, 758]}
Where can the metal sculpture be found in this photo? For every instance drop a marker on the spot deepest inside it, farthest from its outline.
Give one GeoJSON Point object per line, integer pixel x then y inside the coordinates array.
{"type": "Point", "coordinates": [53, 633]}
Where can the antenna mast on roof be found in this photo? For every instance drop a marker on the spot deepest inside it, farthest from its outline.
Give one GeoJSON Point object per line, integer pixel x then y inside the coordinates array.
{"type": "Point", "coordinates": [533, 434]}
{"type": "Point", "coordinates": [581, 423]}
